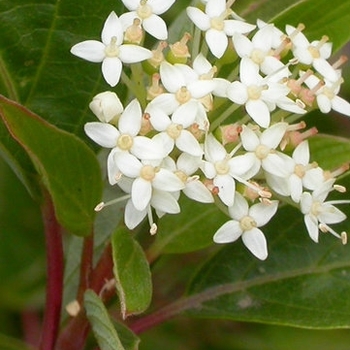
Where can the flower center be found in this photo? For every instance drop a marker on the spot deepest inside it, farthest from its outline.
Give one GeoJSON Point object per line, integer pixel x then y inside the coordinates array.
{"type": "Point", "coordinates": [316, 208]}
{"type": "Point", "coordinates": [144, 10]}
{"type": "Point", "coordinates": [315, 50]}
{"type": "Point", "coordinates": [217, 23]}
{"type": "Point", "coordinates": [328, 92]}
{"type": "Point", "coordinates": [125, 142]}
{"type": "Point", "coordinates": [221, 167]}
{"type": "Point", "coordinates": [174, 130]}
{"type": "Point", "coordinates": [262, 151]}
{"type": "Point", "coordinates": [148, 172]}
{"type": "Point", "coordinates": [183, 95]}
{"type": "Point", "coordinates": [254, 91]}
{"type": "Point", "coordinates": [299, 170]}
{"type": "Point", "coordinates": [112, 50]}
{"type": "Point", "coordinates": [257, 56]}
{"type": "Point", "coordinates": [247, 223]}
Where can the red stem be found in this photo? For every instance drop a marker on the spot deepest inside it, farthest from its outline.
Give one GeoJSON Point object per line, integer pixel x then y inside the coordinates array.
{"type": "Point", "coordinates": [54, 288]}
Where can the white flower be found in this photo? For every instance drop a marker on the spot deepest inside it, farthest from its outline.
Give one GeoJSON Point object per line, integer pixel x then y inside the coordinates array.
{"type": "Point", "coordinates": [257, 94]}
{"type": "Point", "coordinates": [327, 95]}
{"type": "Point", "coordinates": [173, 130]}
{"type": "Point", "coordinates": [215, 25]}
{"type": "Point", "coordinates": [259, 50]}
{"type": "Point", "coordinates": [223, 169]}
{"type": "Point", "coordinates": [262, 150]}
{"type": "Point", "coordinates": [315, 53]}
{"type": "Point", "coordinates": [245, 224]}
{"type": "Point", "coordinates": [185, 166]}
{"type": "Point", "coordinates": [147, 176]}
{"type": "Point", "coordinates": [111, 52]}
{"type": "Point", "coordinates": [148, 12]}
{"type": "Point", "coordinates": [318, 213]}
{"type": "Point", "coordinates": [124, 138]}
{"type": "Point", "coordinates": [106, 106]}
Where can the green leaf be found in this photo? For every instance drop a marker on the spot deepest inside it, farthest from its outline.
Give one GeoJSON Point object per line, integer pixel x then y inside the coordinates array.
{"type": "Point", "coordinates": [8, 343]}
{"type": "Point", "coordinates": [330, 152]}
{"type": "Point", "coordinates": [102, 326]}
{"type": "Point", "coordinates": [68, 168]}
{"type": "Point", "coordinates": [129, 340]}
{"type": "Point", "coordinates": [186, 232]}
{"type": "Point", "coordinates": [132, 273]}
{"type": "Point", "coordinates": [321, 17]}
{"type": "Point", "coordinates": [36, 66]}
{"type": "Point", "coordinates": [300, 284]}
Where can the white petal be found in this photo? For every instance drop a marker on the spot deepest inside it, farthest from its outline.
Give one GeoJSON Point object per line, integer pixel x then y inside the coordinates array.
{"type": "Point", "coordinates": [90, 50]}
{"type": "Point", "coordinates": [296, 187]}
{"type": "Point", "coordinates": [188, 164]}
{"type": "Point", "coordinates": [200, 88]}
{"type": "Point", "coordinates": [171, 76]}
{"type": "Point", "coordinates": [232, 26]}
{"type": "Point", "coordinates": [299, 39]}
{"type": "Point", "coordinates": [324, 103]}
{"type": "Point", "coordinates": [113, 172]}
{"type": "Point", "coordinates": [341, 106]}
{"type": "Point", "coordinates": [160, 6]}
{"type": "Point", "coordinates": [301, 154]}
{"type": "Point", "coordinates": [164, 142]}
{"type": "Point", "coordinates": [228, 232]}
{"type": "Point", "coordinates": [241, 164]}
{"type": "Point", "coordinates": [262, 213]}
{"type": "Point", "coordinates": [237, 92]}
{"type": "Point", "coordinates": [186, 142]}
{"type": "Point", "coordinates": [215, 8]}
{"type": "Point", "coordinates": [259, 112]}
{"type": "Point", "coordinates": [272, 136]}
{"type": "Point", "coordinates": [278, 184]}
{"type": "Point", "coordinates": [165, 180]}
{"type": "Point", "coordinates": [312, 227]}
{"type": "Point", "coordinates": [132, 216]}
{"type": "Point", "coordinates": [155, 26]}
{"type": "Point", "coordinates": [217, 42]}
{"type": "Point", "coordinates": [111, 70]}
{"type": "Point", "coordinates": [201, 65]}
{"type": "Point", "coordinates": [128, 164]}
{"type": "Point", "coordinates": [112, 28]}
{"type": "Point", "coordinates": [145, 148]}
{"type": "Point", "coordinates": [240, 207]}
{"type": "Point", "coordinates": [221, 86]}
{"type": "Point", "coordinates": [249, 72]}
{"type": "Point", "coordinates": [303, 55]}
{"type": "Point", "coordinates": [331, 214]}
{"type": "Point", "coordinates": [255, 241]}
{"type": "Point", "coordinates": [130, 120]}
{"type": "Point", "coordinates": [164, 202]}
{"type": "Point", "coordinates": [197, 191]}
{"type": "Point", "coordinates": [250, 139]}
{"type": "Point", "coordinates": [158, 118]}
{"type": "Point", "coordinates": [324, 68]}
{"type": "Point", "coordinates": [165, 102]}
{"type": "Point", "coordinates": [208, 170]}
{"type": "Point", "coordinates": [227, 186]}
{"type": "Point", "coordinates": [214, 150]}
{"type": "Point", "coordinates": [104, 134]}
{"type": "Point", "coordinates": [276, 164]}
{"type": "Point", "coordinates": [127, 19]}
{"type": "Point", "coordinates": [141, 193]}
{"type": "Point", "coordinates": [133, 53]}
{"type": "Point", "coordinates": [243, 45]}
{"type": "Point", "coordinates": [199, 18]}
{"type": "Point", "coordinates": [185, 114]}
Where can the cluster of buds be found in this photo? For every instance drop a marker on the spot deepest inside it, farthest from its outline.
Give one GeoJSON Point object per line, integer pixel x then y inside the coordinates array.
{"type": "Point", "coordinates": [231, 140]}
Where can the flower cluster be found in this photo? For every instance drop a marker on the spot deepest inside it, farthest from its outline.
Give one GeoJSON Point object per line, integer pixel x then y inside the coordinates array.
{"type": "Point", "coordinates": [232, 140]}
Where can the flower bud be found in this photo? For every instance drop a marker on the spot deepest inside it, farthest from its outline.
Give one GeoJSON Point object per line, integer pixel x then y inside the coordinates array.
{"type": "Point", "coordinates": [106, 106]}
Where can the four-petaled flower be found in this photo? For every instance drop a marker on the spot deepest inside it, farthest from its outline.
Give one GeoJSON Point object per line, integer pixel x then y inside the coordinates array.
{"type": "Point", "coordinates": [111, 51]}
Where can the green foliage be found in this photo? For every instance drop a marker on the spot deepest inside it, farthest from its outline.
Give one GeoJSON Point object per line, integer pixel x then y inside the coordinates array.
{"type": "Point", "coordinates": [132, 273]}
{"type": "Point", "coordinates": [67, 167]}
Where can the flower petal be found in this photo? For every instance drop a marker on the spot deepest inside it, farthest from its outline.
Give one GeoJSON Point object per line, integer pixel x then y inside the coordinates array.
{"type": "Point", "coordinates": [160, 6]}
{"type": "Point", "coordinates": [155, 26]}
{"type": "Point", "coordinates": [128, 164]}
{"type": "Point", "coordinates": [197, 191]}
{"type": "Point", "coordinates": [90, 50]}
{"type": "Point", "coordinates": [186, 142]}
{"type": "Point", "coordinates": [255, 241]}
{"type": "Point", "coordinates": [199, 18]}
{"type": "Point", "coordinates": [217, 42]}
{"type": "Point", "coordinates": [130, 120]}
{"type": "Point", "coordinates": [237, 92]}
{"type": "Point", "coordinates": [228, 232]}
{"type": "Point", "coordinates": [272, 136]}
{"type": "Point", "coordinates": [262, 213]}
{"type": "Point", "coordinates": [133, 53]}
{"type": "Point", "coordinates": [146, 148]}
{"type": "Point", "coordinates": [214, 150]}
{"type": "Point", "coordinates": [112, 28]}
{"type": "Point", "coordinates": [165, 180]}
{"type": "Point", "coordinates": [104, 134]}
{"type": "Point", "coordinates": [165, 202]}
{"type": "Point", "coordinates": [111, 70]}
{"type": "Point", "coordinates": [259, 112]}
{"type": "Point", "coordinates": [341, 106]}
{"type": "Point", "coordinates": [227, 186]}
{"type": "Point", "coordinates": [132, 216]}
{"type": "Point", "coordinates": [141, 193]}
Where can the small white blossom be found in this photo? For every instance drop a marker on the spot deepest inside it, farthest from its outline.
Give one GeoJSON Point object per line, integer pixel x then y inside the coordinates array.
{"type": "Point", "coordinates": [111, 51]}
{"type": "Point", "coordinates": [147, 11]}
{"type": "Point", "coordinates": [106, 106]}
{"type": "Point", "coordinates": [216, 26]}
{"type": "Point", "coordinates": [245, 223]}
{"type": "Point", "coordinates": [318, 213]}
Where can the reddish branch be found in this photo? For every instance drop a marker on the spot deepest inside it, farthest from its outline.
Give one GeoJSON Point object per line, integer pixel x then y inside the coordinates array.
{"type": "Point", "coordinates": [54, 288]}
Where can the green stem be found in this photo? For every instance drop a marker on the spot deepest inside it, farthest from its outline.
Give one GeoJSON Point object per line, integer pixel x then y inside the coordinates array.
{"type": "Point", "coordinates": [218, 121]}
{"type": "Point", "coordinates": [55, 265]}
{"type": "Point", "coordinates": [7, 81]}
{"type": "Point", "coordinates": [196, 42]}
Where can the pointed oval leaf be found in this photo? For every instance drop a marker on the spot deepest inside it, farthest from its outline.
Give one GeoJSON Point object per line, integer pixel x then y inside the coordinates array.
{"type": "Point", "coordinates": [102, 326]}
{"type": "Point", "coordinates": [68, 168]}
{"type": "Point", "coordinates": [132, 273]}
{"type": "Point", "coordinates": [300, 284]}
